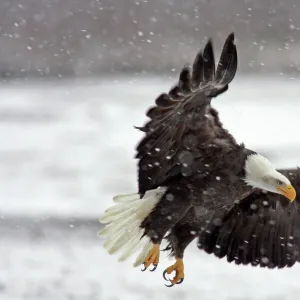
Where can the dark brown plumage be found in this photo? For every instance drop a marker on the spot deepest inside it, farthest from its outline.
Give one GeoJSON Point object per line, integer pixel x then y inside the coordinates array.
{"type": "Point", "coordinates": [262, 230]}
{"type": "Point", "coordinates": [183, 135]}
{"type": "Point", "coordinates": [185, 145]}
{"type": "Point", "coordinates": [213, 187]}
{"type": "Point", "coordinates": [183, 123]}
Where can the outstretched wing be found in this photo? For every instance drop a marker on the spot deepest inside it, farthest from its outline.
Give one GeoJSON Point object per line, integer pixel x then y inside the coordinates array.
{"type": "Point", "coordinates": [263, 230]}
{"type": "Point", "coordinates": [182, 123]}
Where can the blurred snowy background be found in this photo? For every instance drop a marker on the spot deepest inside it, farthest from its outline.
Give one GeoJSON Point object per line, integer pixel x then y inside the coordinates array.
{"type": "Point", "coordinates": [75, 77]}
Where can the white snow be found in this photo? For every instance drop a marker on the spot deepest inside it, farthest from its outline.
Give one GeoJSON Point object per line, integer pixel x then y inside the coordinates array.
{"type": "Point", "coordinates": [80, 269]}
{"type": "Point", "coordinates": [67, 148]}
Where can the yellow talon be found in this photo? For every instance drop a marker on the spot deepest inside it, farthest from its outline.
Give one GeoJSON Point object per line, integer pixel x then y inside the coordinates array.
{"type": "Point", "coordinates": [152, 257]}
{"type": "Point", "coordinates": [178, 267]}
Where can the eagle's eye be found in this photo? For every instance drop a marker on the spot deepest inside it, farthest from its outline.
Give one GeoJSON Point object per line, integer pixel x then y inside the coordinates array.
{"type": "Point", "coordinates": [279, 182]}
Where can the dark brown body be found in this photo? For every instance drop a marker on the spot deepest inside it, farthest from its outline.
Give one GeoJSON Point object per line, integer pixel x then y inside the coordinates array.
{"type": "Point", "coordinates": [200, 187]}
{"type": "Point", "coordinates": [187, 150]}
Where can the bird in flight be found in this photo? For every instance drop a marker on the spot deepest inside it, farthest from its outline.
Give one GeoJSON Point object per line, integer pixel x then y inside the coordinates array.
{"type": "Point", "coordinates": [196, 182]}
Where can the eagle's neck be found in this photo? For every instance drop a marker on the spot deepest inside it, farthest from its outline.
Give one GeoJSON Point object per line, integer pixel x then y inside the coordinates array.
{"type": "Point", "coordinates": [256, 168]}
{"type": "Point", "coordinates": [260, 173]}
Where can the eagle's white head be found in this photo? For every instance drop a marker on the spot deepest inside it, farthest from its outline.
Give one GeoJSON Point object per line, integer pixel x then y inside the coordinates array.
{"type": "Point", "coordinates": [260, 173]}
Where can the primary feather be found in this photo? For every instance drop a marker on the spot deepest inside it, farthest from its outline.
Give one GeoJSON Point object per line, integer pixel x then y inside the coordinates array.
{"type": "Point", "coordinates": [179, 116]}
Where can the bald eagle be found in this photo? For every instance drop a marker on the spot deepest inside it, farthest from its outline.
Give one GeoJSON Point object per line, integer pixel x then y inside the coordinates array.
{"type": "Point", "coordinates": [196, 181]}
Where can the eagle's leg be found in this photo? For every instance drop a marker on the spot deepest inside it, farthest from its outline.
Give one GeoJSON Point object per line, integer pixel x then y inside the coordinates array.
{"type": "Point", "coordinates": [168, 211]}
{"type": "Point", "coordinates": [181, 235]}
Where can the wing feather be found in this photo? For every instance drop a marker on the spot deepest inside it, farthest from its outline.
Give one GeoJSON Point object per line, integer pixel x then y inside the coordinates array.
{"type": "Point", "coordinates": [182, 119]}
{"type": "Point", "coordinates": [184, 83]}
{"type": "Point", "coordinates": [164, 100]}
{"type": "Point", "coordinates": [228, 62]}
{"type": "Point", "coordinates": [197, 73]}
{"type": "Point", "coordinates": [262, 230]}
{"type": "Point", "coordinates": [208, 62]}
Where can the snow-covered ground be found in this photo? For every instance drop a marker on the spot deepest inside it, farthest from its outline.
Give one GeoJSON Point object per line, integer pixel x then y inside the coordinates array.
{"type": "Point", "coordinates": [71, 264]}
{"type": "Point", "coordinates": [68, 147]}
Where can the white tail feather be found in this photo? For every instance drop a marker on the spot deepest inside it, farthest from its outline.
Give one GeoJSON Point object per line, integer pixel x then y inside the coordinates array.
{"type": "Point", "coordinates": [123, 220]}
{"type": "Point", "coordinates": [131, 246]}
{"type": "Point", "coordinates": [124, 198]}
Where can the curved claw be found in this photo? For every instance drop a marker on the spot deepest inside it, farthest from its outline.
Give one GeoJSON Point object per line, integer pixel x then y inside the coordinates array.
{"type": "Point", "coordinates": [164, 275]}
{"type": "Point", "coordinates": [154, 268]}
{"type": "Point", "coordinates": [165, 278]}
{"type": "Point", "coordinates": [172, 284]}
{"type": "Point", "coordinates": [152, 258]}
{"type": "Point", "coordinates": [178, 267]}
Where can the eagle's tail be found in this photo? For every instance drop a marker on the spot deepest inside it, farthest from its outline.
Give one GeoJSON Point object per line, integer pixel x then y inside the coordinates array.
{"type": "Point", "coordinates": [122, 224]}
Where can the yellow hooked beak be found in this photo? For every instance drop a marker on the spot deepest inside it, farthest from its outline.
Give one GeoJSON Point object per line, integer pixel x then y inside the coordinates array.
{"type": "Point", "coordinates": [288, 191]}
